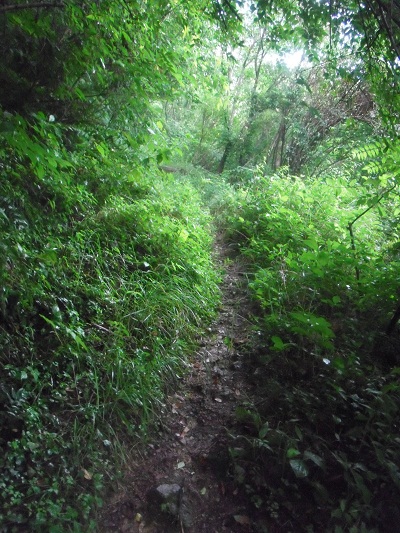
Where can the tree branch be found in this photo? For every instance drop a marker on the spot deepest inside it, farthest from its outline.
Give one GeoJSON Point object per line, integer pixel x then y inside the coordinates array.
{"type": "Point", "coordinates": [351, 224]}
{"type": "Point", "coordinates": [33, 5]}
{"type": "Point", "coordinates": [385, 19]}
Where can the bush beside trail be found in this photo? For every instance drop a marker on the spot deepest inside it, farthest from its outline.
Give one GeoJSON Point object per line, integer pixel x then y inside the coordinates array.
{"type": "Point", "coordinates": [317, 449]}
{"type": "Point", "coordinates": [100, 306]}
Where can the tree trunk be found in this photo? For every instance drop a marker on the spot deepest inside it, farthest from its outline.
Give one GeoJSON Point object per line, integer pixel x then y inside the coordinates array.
{"type": "Point", "coordinates": [393, 322]}
{"type": "Point", "coordinates": [222, 162]}
{"type": "Point", "coordinates": [278, 147]}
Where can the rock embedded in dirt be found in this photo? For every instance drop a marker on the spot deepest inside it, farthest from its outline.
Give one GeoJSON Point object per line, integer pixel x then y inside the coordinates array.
{"type": "Point", "coordinates": [166, 497]}
{"type": "Point", "coordinates": [168, 502]}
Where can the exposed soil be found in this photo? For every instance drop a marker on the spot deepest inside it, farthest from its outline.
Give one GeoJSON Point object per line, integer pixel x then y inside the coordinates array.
{"type": "Point", "coordinates": [190, 457]}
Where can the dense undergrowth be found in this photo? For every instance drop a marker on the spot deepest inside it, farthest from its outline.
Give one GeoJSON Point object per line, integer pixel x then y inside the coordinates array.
{"type": "Point", "coordinates": [106, 280]}
{"type": "Point", "coordinates": [318, 449]}
{"type": "Point", "coordinates": [105, 262]}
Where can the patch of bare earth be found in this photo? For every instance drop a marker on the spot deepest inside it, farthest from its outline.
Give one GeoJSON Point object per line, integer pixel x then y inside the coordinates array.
{"type": "Point", "coordinates": [181, 484]}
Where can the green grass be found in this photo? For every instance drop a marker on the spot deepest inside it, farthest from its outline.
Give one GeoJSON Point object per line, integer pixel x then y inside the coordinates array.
{"type": "Point", "coordinates": [98, 320]}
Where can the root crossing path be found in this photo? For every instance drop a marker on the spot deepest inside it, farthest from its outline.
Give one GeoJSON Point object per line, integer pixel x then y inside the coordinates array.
{"type": "Point", "coordinates": [184, 482]}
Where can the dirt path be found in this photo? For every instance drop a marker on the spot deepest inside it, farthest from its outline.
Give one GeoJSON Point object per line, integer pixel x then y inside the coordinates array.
{"type": "Point", "coordinates": [186, 471]}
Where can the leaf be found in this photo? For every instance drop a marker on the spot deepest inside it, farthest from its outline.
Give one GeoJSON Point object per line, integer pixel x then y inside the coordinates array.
{"type": "Point", "coordinates": [48, 257]}
{"type": "Point", "coordinates": [292, 452]}
{"type": "Point", "coordinates": [278, 343]}
{"type": "Point", "coordinates": [243, 520]}
{"type": "Point", "coordinates": [87, 475]}
{"type": "Point", "coordinates": [304, 83]}
{"type": "Point", "coordinates": [298, 432]}
{"type": "Point", "coordinates": [263, 431]}
{"type": "Point", "coordinates": [311, 243]}
{"type": "Point", "coordinates": [181, 465]}
{"type": "Point", "coordinates": [316, 459]}
{"type": "Point", "coordinates": [101, 150]}
{"type": "Point", "coordinates": [77, 338]}
{"type": "Point", "coordinates": [40, 171]}
{"type": "Point", "coordinates": [183, 235]}
{"type": "Point", "coordinates": [299, 468]}
{"type": "Point", "coordinates": [52, 324]}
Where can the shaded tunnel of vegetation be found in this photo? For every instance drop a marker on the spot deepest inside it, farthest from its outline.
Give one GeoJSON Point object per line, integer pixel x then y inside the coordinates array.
{"type": "Point", "coordinates": [130, 133]}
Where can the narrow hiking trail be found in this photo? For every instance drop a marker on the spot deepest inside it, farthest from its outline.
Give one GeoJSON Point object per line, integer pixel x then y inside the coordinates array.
{"type": "Point", "coordinates": [181, 483]}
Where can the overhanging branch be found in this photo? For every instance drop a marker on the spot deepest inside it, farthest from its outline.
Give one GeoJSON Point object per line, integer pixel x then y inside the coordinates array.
{"type": "Point", "coordinates": [351, 224]}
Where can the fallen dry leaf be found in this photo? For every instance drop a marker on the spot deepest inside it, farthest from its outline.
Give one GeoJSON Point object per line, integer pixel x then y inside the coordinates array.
{"type": "Point", "coordinates": [242, 519]}
{"type": "Point", "coordinates": [181, 398]}
{"type": "Point", "coordinates": [86, 474]}
{"type": "Point", "coordinates": [185, 431]}
{"type": "Point", "coordinates": [175, 408]}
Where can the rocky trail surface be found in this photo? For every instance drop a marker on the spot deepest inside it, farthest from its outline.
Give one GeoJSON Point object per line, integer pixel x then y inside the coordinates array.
{"type": "Point", "coordinates": [183, 482]}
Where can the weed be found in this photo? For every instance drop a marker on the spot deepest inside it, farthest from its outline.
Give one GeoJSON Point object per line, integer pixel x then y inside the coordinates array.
{"type": "Point", "coordinates": [96, 323]}
{"type": "Point", "coordinates": [318, 448]}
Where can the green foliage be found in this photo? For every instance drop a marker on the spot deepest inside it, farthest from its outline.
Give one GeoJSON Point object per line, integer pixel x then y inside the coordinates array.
{"type": "Point", "coordinates": [322, 435]}
{"type": "Point", "coordinates": [106, 274]}
{"type": "Point", "coordinates": [296, 234]}
{"type": "Point", "coordinates": [216, 193]}
{"type": "Point", "coordinates": [99, 308]}
{"type": "Point", "coordinates": [319, 451]}
{"type": "Point", "coordinates": [371, 32]}
{"type": "Point", "coordinates": [78, 60]}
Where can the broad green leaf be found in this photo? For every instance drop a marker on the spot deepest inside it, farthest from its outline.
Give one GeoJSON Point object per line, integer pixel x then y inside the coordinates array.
{"type": "Point", "coordinates": [278, 343]}
{"type": "Point", "coordinates": [299, 468]}
{"type": "Point", "coordinates": [263, 431]}
{"type": "Point", "coordinates": [316, 459]}
{"type": "Point", "coordinates": [292, 452]}
{"type": "Point", "coordinates": [311, 243]}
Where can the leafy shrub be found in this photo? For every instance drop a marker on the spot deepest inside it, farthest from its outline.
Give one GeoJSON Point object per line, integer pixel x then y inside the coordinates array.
{"type": "Point", "coordinates": [99, 309]}
{"type": "Point", "coordinates": [296, 235]}
{"type": "Point", "coordinates": [216, 193]}
{"type": "Point", "coordinates": [316, 452]}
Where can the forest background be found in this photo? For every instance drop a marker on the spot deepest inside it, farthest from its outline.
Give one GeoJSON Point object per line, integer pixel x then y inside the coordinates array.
{"type": "Point", "coordinates": [132, 131]}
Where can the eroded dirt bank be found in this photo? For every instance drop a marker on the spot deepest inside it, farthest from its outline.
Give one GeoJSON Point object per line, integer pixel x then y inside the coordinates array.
{"type": "Point", "coordinates": [186, 471]}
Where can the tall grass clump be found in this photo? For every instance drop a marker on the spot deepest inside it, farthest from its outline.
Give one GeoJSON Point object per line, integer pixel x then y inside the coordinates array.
{"type": "Point", "coordinates": [220, 194]}
{"type": "Point", "coordinates": [101, 304]}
